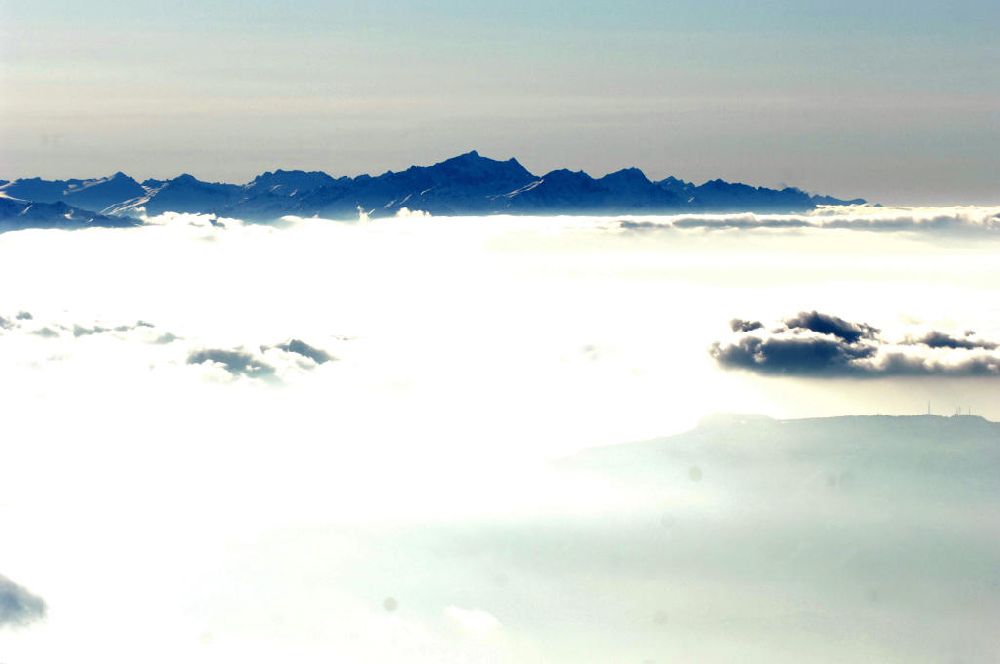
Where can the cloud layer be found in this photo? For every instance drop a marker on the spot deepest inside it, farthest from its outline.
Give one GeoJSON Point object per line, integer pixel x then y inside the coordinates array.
{"type": "Point", "coordinates": [817, 344]}
{"type": "Point", "coordinates": [959, 220]}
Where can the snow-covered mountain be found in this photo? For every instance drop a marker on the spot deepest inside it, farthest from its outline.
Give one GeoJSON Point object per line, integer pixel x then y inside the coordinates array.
{"type": "Point", "coordinates": [16, 214]}
{"type": "Point", "coordinates": [561, 191]}
{"type": "Point", "coordinates": [96, 194]}
{"type": "Point", "coordinates": [466, 184]}
{"type": "Point", "coordinates": [184, 193]}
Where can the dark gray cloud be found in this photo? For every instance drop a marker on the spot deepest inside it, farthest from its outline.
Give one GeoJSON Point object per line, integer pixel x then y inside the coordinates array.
{"type": "Point", "coordinates": [237, 362]}
{"type": "Point", "coordinates": [4, 323]}
{"type": "Point", "coordinates": [944, 340]}
{"type": "Point", "coordinates": [24, 315]}
{"type": "Point", "coordinates": [817, 344]}
{"type": "Point", "coordinates": [793, 355]}
{"type": "Point", "coordinates": [739, 325]}
{"type": "Point", "coordinates": [17, 605]}
{"type": "Point", "coordinates": [826, 324]}
{"type": "Point", "coordinates": [300, 347]}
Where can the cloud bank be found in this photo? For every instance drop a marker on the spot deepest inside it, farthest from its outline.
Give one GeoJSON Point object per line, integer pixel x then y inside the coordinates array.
{"type": "Point", "coordinates": [958, 220]}
{"type": "Point", "coordinates": [817, 344]}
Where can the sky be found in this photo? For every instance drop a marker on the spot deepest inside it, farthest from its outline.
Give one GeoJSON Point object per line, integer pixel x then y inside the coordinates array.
{"type": "Point", "coordinates": [897, 102]}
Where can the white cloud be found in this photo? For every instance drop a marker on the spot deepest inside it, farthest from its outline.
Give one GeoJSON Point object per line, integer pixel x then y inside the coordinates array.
{"type": "Point", "coordinates": [476, 622]}
{"type": "Point", "coordinates": [407, 213]}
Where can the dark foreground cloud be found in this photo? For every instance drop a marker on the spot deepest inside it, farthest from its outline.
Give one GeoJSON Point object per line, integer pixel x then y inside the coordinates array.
{"type": "Point", "coordinates": [17, 605]}
{"type": "Point", "coordinates": [817, 344]}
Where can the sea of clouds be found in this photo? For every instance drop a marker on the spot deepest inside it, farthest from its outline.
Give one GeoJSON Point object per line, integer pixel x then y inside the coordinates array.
{"type": "Point", "coordinates": [346, 441]}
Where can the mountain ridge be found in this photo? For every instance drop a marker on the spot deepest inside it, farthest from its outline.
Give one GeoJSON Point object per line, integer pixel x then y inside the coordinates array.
{"type": "Point", "coordinates": [467, 184]}
{"type": "Point", "coordinates": [16, 214]}
{"type": "Point", "coordinates": [747, 430]}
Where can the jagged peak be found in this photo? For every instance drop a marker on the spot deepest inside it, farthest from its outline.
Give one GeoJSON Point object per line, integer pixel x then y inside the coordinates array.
{"type": "Point", "coordinates": [283, 173]}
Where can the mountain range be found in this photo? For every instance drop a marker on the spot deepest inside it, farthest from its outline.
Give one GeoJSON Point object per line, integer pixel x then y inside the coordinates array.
{"type": "Point", "coordinates": [468, 184]}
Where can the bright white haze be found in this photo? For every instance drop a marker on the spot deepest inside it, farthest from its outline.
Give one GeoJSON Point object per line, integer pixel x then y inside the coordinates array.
{"type": "Point", "coordinates": [375, 507]}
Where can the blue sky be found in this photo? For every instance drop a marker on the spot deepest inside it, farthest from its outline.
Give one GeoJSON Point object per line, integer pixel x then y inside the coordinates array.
{"type": "Point", "coordinates": [895, 101]}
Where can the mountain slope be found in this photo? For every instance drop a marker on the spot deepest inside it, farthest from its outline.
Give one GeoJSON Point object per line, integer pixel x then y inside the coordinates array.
{"type": "Point", "coordinates": [96, 194]}
{"type": "Point", "coordinates": [18, 215]}
{"type": "Point", "coordinates": [184, 193]}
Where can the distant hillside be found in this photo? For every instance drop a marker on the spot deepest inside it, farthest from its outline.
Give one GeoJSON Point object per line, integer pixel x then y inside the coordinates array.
{"type": "Point", "coordinates": [880, 445]}
{"type": "Point", "coordinates": [468, 184]}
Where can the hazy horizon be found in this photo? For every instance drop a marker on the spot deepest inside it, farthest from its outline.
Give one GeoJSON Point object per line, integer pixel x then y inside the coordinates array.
{"type": "Point", "coordinates": [895, 103]}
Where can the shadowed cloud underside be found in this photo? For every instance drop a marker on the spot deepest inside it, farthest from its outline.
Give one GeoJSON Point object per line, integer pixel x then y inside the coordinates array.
{"type": "Point", "coordinates": [822, 345]}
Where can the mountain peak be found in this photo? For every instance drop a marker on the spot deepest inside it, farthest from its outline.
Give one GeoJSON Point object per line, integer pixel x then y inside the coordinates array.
{"type": "Point", "coordinates": [631, 176]}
